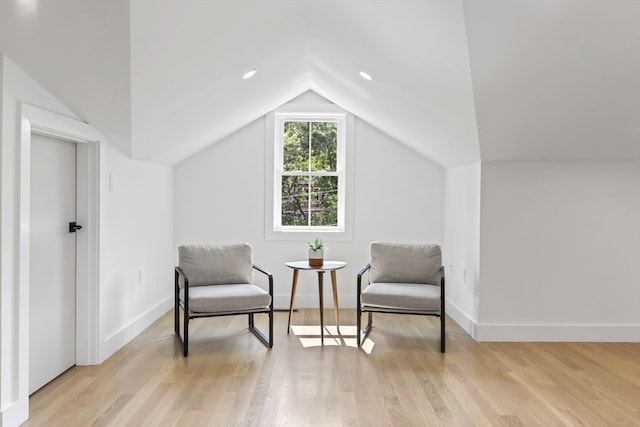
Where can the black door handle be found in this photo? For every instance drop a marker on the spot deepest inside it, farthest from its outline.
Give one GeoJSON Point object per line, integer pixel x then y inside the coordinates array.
{"type": "Point", "coordinates": [73, 227]}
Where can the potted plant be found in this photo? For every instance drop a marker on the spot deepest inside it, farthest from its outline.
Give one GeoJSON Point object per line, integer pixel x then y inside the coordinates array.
{"type": "Point", "coordinates": [316, 252]}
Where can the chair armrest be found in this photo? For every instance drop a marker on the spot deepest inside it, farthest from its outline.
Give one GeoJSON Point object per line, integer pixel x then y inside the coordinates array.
{"type": "Point", "coordinates": [442, 285]}
{"type": "Point", "coordinates": [178, 274]}
{"type": "Point", "coordinates": [360, 274]}
{"type": "Point", "coordinates": [261, 270]}
{"type": "Point", "coordinates": [181, 273]}
{"type": "Point", "coordinates": [269, 275]}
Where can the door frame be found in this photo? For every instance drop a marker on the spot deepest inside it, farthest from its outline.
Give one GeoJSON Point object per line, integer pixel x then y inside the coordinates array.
{"type": "Point", "coordinates": [87, 139]}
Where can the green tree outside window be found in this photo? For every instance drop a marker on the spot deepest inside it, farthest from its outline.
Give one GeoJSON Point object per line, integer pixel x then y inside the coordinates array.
{"type": "Point", "coordinates": [309, 182]}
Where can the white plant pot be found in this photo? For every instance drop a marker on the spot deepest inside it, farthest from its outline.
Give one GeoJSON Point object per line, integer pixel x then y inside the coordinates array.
{"type": "Point", "coordinates": [316, 257]}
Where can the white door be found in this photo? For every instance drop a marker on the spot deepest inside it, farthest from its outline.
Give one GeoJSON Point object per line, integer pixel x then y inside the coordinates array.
{"type": "Point", "coordinates": [52, 285]}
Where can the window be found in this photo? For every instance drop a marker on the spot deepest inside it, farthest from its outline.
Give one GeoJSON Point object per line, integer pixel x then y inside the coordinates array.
{"type": "Point", "coordinates": [309, 178]}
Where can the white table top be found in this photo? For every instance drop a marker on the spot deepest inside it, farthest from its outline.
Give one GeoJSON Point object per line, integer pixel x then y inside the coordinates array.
{"type": "Point", "coordinates": [326, 266]}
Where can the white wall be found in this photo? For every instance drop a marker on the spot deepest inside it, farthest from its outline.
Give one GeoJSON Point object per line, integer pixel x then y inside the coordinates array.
{"type": "Point", "coordinates": [136, 234]}
{"type": "Point", "coordinates": [135, 231]}
{"type": "Point", "coordinates": [559, 251]}
{"type": "Point", "coordinates": [219, 198]}
{"type": "Point", "coordinates": [461, 249]}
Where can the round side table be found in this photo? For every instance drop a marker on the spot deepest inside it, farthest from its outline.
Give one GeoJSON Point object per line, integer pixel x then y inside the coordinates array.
{"type": "Point", "coordinates": [332, 267]}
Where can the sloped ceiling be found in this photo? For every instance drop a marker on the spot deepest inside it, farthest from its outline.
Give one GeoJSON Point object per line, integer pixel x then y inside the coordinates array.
{"type": "Point", "coordinates": [188, 59]}
{"type": "Point", "coordinates": [79, 52]}
{"type": "Point", "coordinates": [454, 80]}
{"type": "Point", "coordinates": [556, 80]}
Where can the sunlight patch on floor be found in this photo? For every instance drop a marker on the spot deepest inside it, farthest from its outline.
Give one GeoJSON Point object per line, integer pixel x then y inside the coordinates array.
{"type": "Point", "coordinates": [309, 336]}
{"type": "Point", "coordinates": [367, 345]}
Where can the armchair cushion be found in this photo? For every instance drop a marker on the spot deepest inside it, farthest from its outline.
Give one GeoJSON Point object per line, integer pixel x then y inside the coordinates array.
{"type": "Point", "coordinates": [217, 264]}
{"type": "Point", "coordinates": [405, 263]}
{"type": "Point", "coordinates": [412, 297]}
{"type": "Point", "coordinates": [227, 298]}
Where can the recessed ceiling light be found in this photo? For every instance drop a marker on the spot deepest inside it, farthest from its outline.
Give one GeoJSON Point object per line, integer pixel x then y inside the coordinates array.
{"type": "Point", "coordinates": [249, 74]}
{"type": "Point", "coordinates": [365, 76]}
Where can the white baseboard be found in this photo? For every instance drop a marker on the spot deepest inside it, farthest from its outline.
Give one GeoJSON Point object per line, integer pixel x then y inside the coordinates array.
{"type": "Point", "coordinates": [557, 332]}
{"type": "Point", "coordinates": [15, 413]}
{"type": "Point", "coordinates": [461, 318]}
{"type": "Point", "coordinates": [542, 333]}
{"type": "Point", "coordinates": [496, 332]}
{"type": "Point", "coordinates": [116, 341]}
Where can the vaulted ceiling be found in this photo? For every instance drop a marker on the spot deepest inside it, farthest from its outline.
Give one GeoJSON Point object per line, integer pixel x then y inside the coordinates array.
{"type": "Point", "coordinates": [457, 81]}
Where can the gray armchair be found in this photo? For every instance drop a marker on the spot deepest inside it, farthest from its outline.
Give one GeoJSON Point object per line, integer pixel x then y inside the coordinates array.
{"type": "Point", "coordinates": [219, 281]}
{"type": "Point", "coordinates": [403, 279]}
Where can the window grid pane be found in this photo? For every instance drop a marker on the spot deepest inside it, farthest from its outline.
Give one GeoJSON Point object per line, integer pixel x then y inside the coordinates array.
{"type": "Point", "coordinates": [296, 146]}
{"type": "Point", "coordinates": [324, 146]}
{"type": "Point", "coordinates": [295, 200]}
{"type": "Point", "coordinates": [324, 201]}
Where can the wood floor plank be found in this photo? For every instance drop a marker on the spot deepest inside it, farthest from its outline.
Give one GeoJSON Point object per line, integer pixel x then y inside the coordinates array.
{"type": "Point", "coordinates": [399, 378]}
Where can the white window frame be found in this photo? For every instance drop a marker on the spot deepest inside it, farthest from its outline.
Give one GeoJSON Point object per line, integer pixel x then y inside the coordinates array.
{"type": "Point", "coordinates": [274, 150]}
{"type": "Point", "coordinates": [281, 119]}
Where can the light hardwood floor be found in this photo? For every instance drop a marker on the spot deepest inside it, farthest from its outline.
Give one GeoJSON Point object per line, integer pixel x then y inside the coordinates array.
{"type": "Point", "coordinates": [400, 379]}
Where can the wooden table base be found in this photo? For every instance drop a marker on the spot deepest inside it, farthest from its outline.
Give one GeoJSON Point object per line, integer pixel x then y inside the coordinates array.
{"type": "Point", "coordinates": [330, 266]}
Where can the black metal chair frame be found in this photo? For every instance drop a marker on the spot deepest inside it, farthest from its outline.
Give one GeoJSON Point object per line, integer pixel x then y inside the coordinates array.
{"type": "Point", "coordinates": [363, 333]}
{"type": "Point", "coordinates": [187, 314]}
